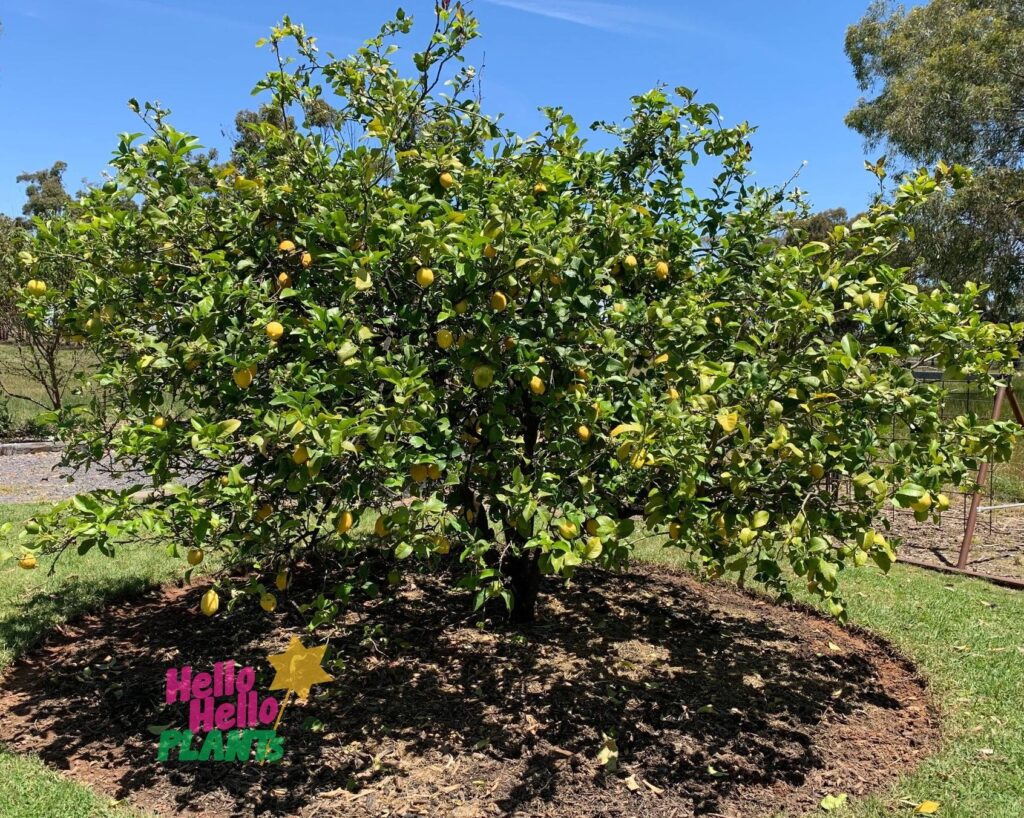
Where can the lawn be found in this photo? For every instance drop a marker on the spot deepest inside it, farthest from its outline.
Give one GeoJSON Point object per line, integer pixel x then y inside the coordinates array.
{"type": "Point", "coordinates": [32, 602]}
{"type": "Point", "coordinates": [965, 635]}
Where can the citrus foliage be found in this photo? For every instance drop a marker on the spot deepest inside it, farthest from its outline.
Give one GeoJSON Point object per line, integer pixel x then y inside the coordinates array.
{"type": "Point", "coordinates": [403, 337]}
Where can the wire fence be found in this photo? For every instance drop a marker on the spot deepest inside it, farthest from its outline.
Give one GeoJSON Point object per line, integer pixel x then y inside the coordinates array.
{"type": "Point", "coordinates": [989, 541]}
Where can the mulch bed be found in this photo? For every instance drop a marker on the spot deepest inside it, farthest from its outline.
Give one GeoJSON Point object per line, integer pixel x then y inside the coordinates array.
{"type": "Point", "coordinates": [720, 704]}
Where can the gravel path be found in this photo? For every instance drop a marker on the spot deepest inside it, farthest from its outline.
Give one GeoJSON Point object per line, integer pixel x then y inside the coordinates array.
{"type": "Point", "coordinates": [34, 478]}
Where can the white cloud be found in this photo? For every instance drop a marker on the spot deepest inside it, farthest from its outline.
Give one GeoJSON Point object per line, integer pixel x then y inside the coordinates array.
{"type": "Point", "coordinates": [605, 16]}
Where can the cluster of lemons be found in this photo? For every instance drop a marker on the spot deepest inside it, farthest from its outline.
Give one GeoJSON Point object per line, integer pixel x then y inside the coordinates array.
{"type": "Point", "coordinates": [209, 603]}
{"type": "Point", "coordinates": [483, 377]}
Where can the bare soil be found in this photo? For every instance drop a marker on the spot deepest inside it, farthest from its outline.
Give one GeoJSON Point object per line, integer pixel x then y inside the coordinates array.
{"type": "Point", "coordinates": [997, 548]}
{"type": "Point", "coordinates": [719, 703]}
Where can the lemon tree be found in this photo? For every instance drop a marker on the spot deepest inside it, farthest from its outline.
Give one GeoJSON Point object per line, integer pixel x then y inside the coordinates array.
{"type": "Point", "coordinates": [394, 336]}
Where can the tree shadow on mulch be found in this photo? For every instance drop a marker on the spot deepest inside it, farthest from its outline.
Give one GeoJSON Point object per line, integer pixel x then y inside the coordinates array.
{"type": "Point", "coordinates": [712, 699]}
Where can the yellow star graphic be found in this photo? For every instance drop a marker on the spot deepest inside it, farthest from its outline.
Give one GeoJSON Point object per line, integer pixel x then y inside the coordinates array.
{"type": "Point", "coordinates": [298, 668]}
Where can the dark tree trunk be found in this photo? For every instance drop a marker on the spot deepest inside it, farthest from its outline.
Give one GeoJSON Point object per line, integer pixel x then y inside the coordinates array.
{"type": "Point", "coordinates": [523, 572]}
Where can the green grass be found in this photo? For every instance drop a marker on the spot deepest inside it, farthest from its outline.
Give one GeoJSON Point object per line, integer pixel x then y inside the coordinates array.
{"type": "Point", "coordinates": [966, 635]}
{"type": "Point", "coordinates": [29, 790]}
{"type": "Point", "coordinates": [968, 638]}
{"type": "Point", "coordinates": [30, 604]}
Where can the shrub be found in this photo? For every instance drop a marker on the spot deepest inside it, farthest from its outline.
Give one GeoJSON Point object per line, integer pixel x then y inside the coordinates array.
{"type": "Point", "coordinates": [403, 337]}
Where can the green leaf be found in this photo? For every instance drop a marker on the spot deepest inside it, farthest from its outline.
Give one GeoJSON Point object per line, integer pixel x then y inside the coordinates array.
{"type": "Point", "coordinates": [227, 428]}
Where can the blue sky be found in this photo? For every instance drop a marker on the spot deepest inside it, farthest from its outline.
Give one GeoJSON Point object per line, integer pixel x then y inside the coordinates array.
{"type": "Point", "coordinates": [67, 68]}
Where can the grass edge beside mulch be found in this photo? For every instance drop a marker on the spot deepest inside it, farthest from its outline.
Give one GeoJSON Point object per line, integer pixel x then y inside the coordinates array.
{"type": "Point", "coordinates": [964, 636]}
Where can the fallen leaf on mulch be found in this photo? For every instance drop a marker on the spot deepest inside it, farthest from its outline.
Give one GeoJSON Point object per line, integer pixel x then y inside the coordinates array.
{"type": "Point", "coordinates": [608, 757]}
{"type": "Point", "coordinates": [927, 808]}
{"type": "Point", "coordinates": [831, 803]}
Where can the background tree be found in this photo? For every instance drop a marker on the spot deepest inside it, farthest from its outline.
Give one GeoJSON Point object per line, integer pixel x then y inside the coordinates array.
{"type": "Point", "coordinates": [818, 226]}
{"type": "Point", "coordinates": [39, 350]}
{"type": "Point", "coordinates": [945, 83]}
{"type": "Point", "coordinates": [412, 340]}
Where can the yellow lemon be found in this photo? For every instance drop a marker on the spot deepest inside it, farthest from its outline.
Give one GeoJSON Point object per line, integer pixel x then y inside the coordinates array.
{"type": "Point", "coordinates": [499, 301]}
{"type": "Point", "coordinates": [630, 261]}
{"type": "Point", "coordinates": [380, 528]}
{"type": "Point", "coordinates": [434, 471]}
{"type": "Point", "coordinates": [584, 433]}
{"type": "Point", "coordinates": [817, 471]}
{"type": "Point", "coordinates": [243, 377]}
{"type": "Point", "coordinates": [306, 260]}
{"type": "Point", "coordinates": [445, 339]}
{"type": "Point", "coordinates": [594, 548]}
{"type": "Point", "coordinates": [923, 504]}
{"type": "Point", "coordinates": [446, 180]}
{"type": "Point", "coordinates": [483, 376]}
{"type": "Point", "coordinates": [419, 472]}
{"type": "Point", "coordinates": [300, 455]}
{"type": "Point", "coordinates": [284, 280]}
{"type": "Point", "coordinates": [424, 277]}
{"type": "Point", "coordinates": [675, 531]}
{"type": "Point", "coordinates": [942, 502]}
{"type": "Point", "coordinates": [209, 603]}
{"type": "Point", "coordinates": [661, 270]}
{"type": "Point", "coordinates": [195, 556]}
{"type": "Point", "coordinates": [268, 602]}
{"type": "Point", "coordinates": [286, 246]}
{"type": "Point", "coordinates": [568, 529]}
{"type": "Point", "coordinates": [462, 307]}
{"type": "Point", "coordinates": [344, 522]}
{"type": "Point", "coordinates": [28, 562]}
{"type": "Point", "coordinates": [281, 580]}
{"type": "Point", "coordinates": [160, 422]}
{"type": "Point", "coordinates": [540, 189]}
{"type": "Point", "coordinates": [275, 331]}
{"type": "Point", "coordinates": [591, 527]}
{"type": "Point", "coordinates": [537, 385]}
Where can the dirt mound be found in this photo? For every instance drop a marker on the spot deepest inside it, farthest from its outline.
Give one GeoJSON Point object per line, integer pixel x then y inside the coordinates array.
{"type": "Point", "coordinates": [717, 704]}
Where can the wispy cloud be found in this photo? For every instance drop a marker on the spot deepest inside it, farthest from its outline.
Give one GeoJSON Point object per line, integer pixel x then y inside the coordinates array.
{"type": "Point", "coordinates": [604, 16]}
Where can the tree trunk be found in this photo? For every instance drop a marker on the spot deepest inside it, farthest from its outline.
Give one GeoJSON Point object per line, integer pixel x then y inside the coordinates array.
{"type": "Point", "coordinates": [523, 572]}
